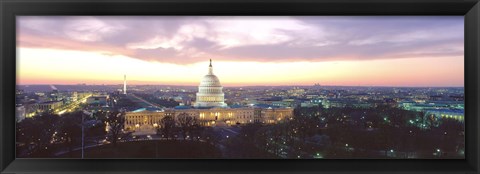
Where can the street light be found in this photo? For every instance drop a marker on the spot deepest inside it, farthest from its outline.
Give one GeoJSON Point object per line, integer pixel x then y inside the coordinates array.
{"type": "Point", "coordinates": [439, 153]}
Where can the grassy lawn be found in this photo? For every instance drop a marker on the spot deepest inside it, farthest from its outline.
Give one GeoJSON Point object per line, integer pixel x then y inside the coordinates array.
{"type": "Point", "coordinates": [150, 149]}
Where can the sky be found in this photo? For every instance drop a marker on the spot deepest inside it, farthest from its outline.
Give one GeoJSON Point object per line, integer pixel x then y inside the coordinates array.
{"type": "Point", "coordinates": [416, 51]}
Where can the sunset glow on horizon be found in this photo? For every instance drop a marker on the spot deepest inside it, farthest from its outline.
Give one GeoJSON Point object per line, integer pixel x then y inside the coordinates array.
{"type": "Point", "coordinates": [246, 51]}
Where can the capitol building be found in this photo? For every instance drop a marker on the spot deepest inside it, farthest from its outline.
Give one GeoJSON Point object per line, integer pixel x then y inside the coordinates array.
{"type": "Point", "coordinates": [209, 109]}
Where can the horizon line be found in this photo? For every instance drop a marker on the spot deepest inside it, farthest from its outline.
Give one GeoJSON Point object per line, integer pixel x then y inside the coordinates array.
{"type": "Point", "coordinates": [248, 85]}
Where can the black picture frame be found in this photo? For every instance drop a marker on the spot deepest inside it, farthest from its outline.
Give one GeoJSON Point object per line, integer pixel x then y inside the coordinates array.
{"type": "Point", "coordinates": [470, 9]}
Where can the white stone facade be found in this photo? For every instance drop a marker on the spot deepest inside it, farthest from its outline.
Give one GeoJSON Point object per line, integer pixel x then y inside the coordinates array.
{"type": "Point", "coordinates": [210, 91]}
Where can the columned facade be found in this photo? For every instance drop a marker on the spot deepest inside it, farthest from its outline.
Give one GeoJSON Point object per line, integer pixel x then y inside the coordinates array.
{"type": "Point", "coordinates": [210, 91]}
{"type": "Point", "coordinates": [210, 110]}
{"type": "Point", "coordinates": [145, 122]}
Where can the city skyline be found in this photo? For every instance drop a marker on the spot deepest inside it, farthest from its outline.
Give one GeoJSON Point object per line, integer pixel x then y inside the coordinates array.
{"type": "Point", "coordinates": [272, 51]}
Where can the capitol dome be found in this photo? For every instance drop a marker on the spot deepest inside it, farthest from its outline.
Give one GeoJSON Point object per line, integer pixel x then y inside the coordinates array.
{"type": "Point", "coordinates": [210, 91]}
{"type": "Point", "coordinates": [210, 80]}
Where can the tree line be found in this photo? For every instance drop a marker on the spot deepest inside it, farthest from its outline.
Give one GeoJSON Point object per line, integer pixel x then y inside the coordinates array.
{"type": "Point", "coordinates": [47, 133]}
{"type": "Point", "coordinates": [356, 132]}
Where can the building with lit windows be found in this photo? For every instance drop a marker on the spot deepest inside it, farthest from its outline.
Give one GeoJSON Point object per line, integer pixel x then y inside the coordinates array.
{"type": "Point", "coordinates": [452, 114]}
{"type": "Point", "coordinates": [97, 100]}
{"type": "Point", "coordinates": [146, 121]}
{"type": "Point", "coordinates": [209, 109]}
{"type": "Point", "coordinates": [48, 106]}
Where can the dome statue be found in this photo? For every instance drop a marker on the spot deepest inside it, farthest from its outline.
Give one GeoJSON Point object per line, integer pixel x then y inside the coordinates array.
{"type": "Point", "coordinates": [210, 92]}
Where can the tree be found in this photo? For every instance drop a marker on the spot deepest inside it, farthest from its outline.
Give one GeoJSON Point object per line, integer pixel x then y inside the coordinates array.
{"type": "Point", "coordinates": [186, 123]}
{"type": "Point", "coordinates": [48, 124]}
{"type": "Point", "coordinates": [305, 125]}
{"type": "Point", "coordinates": [97, 130]}
{"type": "Point", "coordinates": [196, 129]}
{"type": "Point", "coordinates": [38, 132]}
{"type": "Point", "coordinates": [211, 136]}
{"type": "Point", "coordinates": [248, 131]}
{"type": "Point", "coordinates": [115, 121]}
{"type": "Point", "coordinates": [167, 126]}
{"type": "Point", "coordinates": [262, 138]}
{"type": "Point", "coordinates": [386, 135]}
{"type": "Point", "coordinates": [100, 115]}
{"type": "Point", "coordinates": [451, 132]}
{"type": "Point", "coordinates": [28, 133]}
{"type": "Point", "coordinates": [125, 102]}
{"type": "Point", "coordinates": [70, 129]}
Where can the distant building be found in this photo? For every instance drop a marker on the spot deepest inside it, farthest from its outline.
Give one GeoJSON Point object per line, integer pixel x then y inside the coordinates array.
{"type": "Point", "coordinates": [346, 103]}
{"type": "Point", "coordinates": [335, 103]}
{"type": "Point", "coordinates": [308, 104]}
{"type": "Point", "coordinates": [49, 106]}
{"type": "Point", "coordinates": [296, 91]}
{"type": "Point", "coordinates": [20, 113]}
{"type": "Point", "coordinates": [429, 105]}
{"type": "Point", "coordinates": [317, 101]}
{"type": "Point", "coordinates": [97, 100]}
{"type": "Point", "coordinates": [453, 114]}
